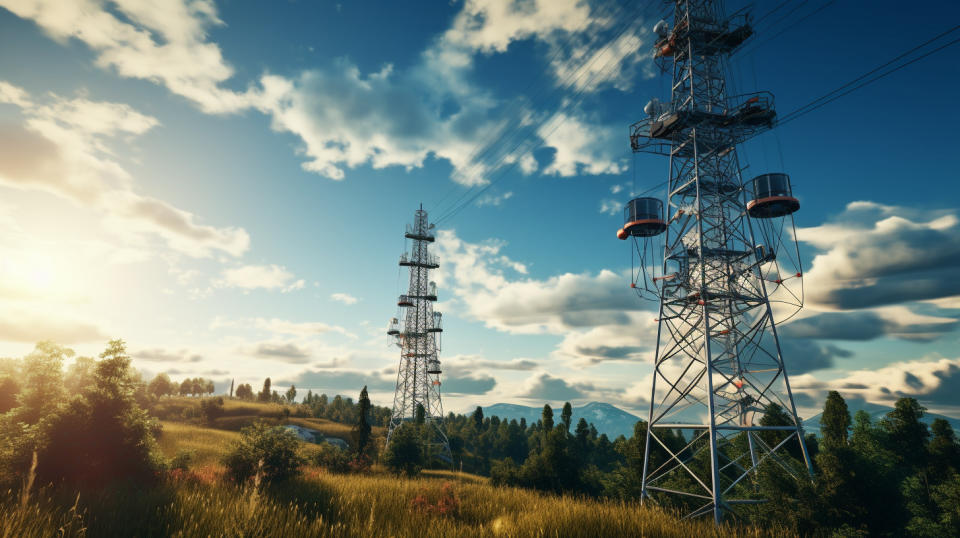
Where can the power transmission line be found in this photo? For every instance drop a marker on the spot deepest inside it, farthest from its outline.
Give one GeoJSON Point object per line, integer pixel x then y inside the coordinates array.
{"type": "Point", "coordinates": [467, 198]}
{"type": "Point", "coordinates": [833, 95]}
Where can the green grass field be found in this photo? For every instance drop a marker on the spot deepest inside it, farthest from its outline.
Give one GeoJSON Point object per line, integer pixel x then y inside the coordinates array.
{"type": "Point", "coordinates": [439, 503]}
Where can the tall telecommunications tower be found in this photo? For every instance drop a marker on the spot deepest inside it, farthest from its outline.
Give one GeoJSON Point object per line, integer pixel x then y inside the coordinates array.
{"type": "Point", "coordinates": [418, 337]}
{"type": "Point", "coordinates": [723, 253]}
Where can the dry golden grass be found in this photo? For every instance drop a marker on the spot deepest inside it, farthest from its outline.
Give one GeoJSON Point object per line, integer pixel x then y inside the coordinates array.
{"type": "Point", "coordinates": [200, 503]}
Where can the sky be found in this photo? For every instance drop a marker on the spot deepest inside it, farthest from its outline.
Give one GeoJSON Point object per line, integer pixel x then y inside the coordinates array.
{"type": "Point", "coordinates": [225, 186]}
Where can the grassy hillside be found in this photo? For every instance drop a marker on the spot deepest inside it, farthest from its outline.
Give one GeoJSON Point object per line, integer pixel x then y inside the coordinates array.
{"type": "Point", "coordinates": [439, 503]}
{"type": "Point", "coordinates": [238, 414]}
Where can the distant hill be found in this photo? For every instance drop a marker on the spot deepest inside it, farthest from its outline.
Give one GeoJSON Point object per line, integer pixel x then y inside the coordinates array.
{"type": "Point", "coordinates": [877, 412]}
{"type": "Point", "coordinates": [607, 418]}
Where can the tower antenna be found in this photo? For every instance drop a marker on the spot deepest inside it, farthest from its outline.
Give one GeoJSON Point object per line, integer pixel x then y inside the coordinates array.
{"type": "Point", "coordinates": [417, 331]}
{"type": "Point", "coordinates": [718, 261]}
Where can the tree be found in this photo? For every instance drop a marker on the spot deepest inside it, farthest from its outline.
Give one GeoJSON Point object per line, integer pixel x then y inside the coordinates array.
{"type": "Point", "coordinates": [79, 375]}
{"type": "Point", "coordinates": [908, 434]}
{"type": "Point", "coordinates": [547, 417]}
{"type": "Point", "coordinates": [835, 421]}
{"type": "Point", "coordinates": [244, 391]}
{"type": "Point", "coordinates": [103, 435]}
{"type": "Point", "coordinates": [41, 392]}
{"type": "Point", "coordinates": [361, 432]}
{"type": "Point", "coordinates": [420, 415]}
{"type": "Point", "coordinates": [291, 394]}
{"type": "Point", "coordinates": [272, 452]}
{"type": "Point", "coordinates": [231, 388]}
{"type": "Point", "coordinates": [211, 409]}
{"type": "Point", "coordinates": [161, 386]}
{"type": "Point", "coordinates": [264, 395]}
{"type": "Point", "coordinates": [566, 416]}
{"type": "Point", "coordinates": [477, 417]}
{"type": "Point", "coordinates": [208, 386]}
{"type": "Point", "coordinates": [404, 453]}
{"type": "Point", "coordinates": [8, 394]}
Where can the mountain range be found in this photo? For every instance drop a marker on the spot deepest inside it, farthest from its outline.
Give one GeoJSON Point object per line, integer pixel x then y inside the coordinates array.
{"type": "Point", "coordinates": [614, 421]}
{"type": "Point", "coordinates": [607, 418]}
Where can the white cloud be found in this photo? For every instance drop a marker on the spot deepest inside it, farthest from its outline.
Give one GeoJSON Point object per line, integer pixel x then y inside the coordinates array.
{"type": "Point", "coordinates": [493, 199]}
{"type": "Point", "coordinates": [610, 207]}
{"type": "Point", "coordinates": [478, 277]}
{"type": "Point", "coordinates": [582, 147]}
{"type": "Point", "coordinates": [250, 277]}
{"type": "Point", "coordinates": [346, 118]}
{"type": "Point", "coordinates": [873, 255]}
{"type": "Point", "coordinates": [933, 382]}
{"type": "Point", "coordinates": [20, 325]}
{"type": "Point", "coordinates": [280, 326]}
{"type": "Point", "coordinates": [65, 148]}
{"type": "Point", "coordinates": [164, 42]}
{"type": "Point", "coordinates": [344, 298]}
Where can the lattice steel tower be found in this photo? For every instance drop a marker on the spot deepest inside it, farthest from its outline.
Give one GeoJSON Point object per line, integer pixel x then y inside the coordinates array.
{"type": "Point", "coordinates": [418, 337]}
{"type": "Point", "coordinates": [715, 262]}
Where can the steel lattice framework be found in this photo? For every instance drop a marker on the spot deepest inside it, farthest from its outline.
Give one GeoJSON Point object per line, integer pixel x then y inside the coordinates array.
{"type": "Point", "coordinates": [718, 363]}
{"type": "Point", "coordinates": [418, 337]}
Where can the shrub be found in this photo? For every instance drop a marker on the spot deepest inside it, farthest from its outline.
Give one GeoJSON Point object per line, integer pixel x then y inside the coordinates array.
{"type": "Point", "coordinates": [211, 409]}
{"type": "Point", "coordinates": [102, 435]}
{"type": "Point", "coordinates": [404, 453]}
{"type": "Point", "coordinates": [182, 460]}
{"type": "Point", "coordinates": [271, 451]}
{"type": "Point", "coordinates": [332, 459]}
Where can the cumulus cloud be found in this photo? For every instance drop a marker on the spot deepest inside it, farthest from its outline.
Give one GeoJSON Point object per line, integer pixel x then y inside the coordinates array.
{"type": "Point", "coordinates": [872, 255]}
{"type": "Point", "coordinates": [466, 364]}
{"type": "Point", "coordinates": [346, 118]}
{"type": "Point", "coordinates": [250, 277]}
{"type": "Point", "coordinates": [893, 321]}
{"type": "Point", "coordinates": [934, 382]}
{"type": "Point", "coordinates": [65, 147]}
{"type": "Point", "coordinates": [493, 199]}
{"type": "Point", "coordinates": [479, 276]}
{"type": "Point", "coordinates": [17, 325]}
{"type": "Point", "coordinates": [281, 351]}
{"type": "Point", "coordinates": [161, 42]}
{"type": "Point", "coordinates": [344, 298]}
{"type": "Point", "coordinates": [342, 380]}
{"type": "Point", "coordinates": [548, 388]}
{"type": "Point", "coordinates": [479, 384]}
{"type": "Point", "coordinates": [280, 326]}
{"type": "Point", "coordinates": [165, 355]}
{"type": "Point", "coordinates": [582, 146]}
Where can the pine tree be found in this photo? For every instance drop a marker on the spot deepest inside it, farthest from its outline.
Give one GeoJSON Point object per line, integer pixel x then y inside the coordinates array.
{"type": "Point", "coordinates": [835, 421]}
{"type": "Point", "coordinates": [361, 432]}
{"type": "Point", "coordinates": [566, 416]}
{"type": "Point", "coordinates": [547, 418]}
{"type": "Point", "coordinates": [264, 395]}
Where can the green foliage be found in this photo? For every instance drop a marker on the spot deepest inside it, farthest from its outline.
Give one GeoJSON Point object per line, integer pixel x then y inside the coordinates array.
{"type": "Point", "coordinates": [404, 452]}
{"type": "Point", "coordinates": [361, 432]}
{"type": "Point", "coordinates": [102, 435]}
{"type": "Point", "coordinates": [244, 392]}
{"type": "Point", "coordinates": [162, 386]}
{"type": "Point", "coordinates": [265, 394]}
{"type": "Point", "coordinates": [211, 409]}
{"type": "Point", "coordinates": [331, 458]}
{"type": "Point", "coordinates": [835, 421]}
{"type": "Point", "coordinates": [270, 452]}
{"type": "Point", "coordinates": [9, 389]}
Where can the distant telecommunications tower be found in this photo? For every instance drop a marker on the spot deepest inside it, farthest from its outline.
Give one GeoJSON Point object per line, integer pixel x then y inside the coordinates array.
{"type": "Point", "coordinates": [418, 337]}
{"type": "Point", "coordinates": [724, 266]}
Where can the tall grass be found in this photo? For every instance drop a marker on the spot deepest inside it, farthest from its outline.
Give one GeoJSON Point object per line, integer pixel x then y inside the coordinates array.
{"type": "Point", "coordinates": [321, 504]}
{"type": "Point", "coordinates": [198, 502]}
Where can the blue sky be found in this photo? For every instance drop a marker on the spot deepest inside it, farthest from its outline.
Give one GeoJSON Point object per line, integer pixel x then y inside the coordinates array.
{"type": "Point", "coordinates": [225, 185]}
